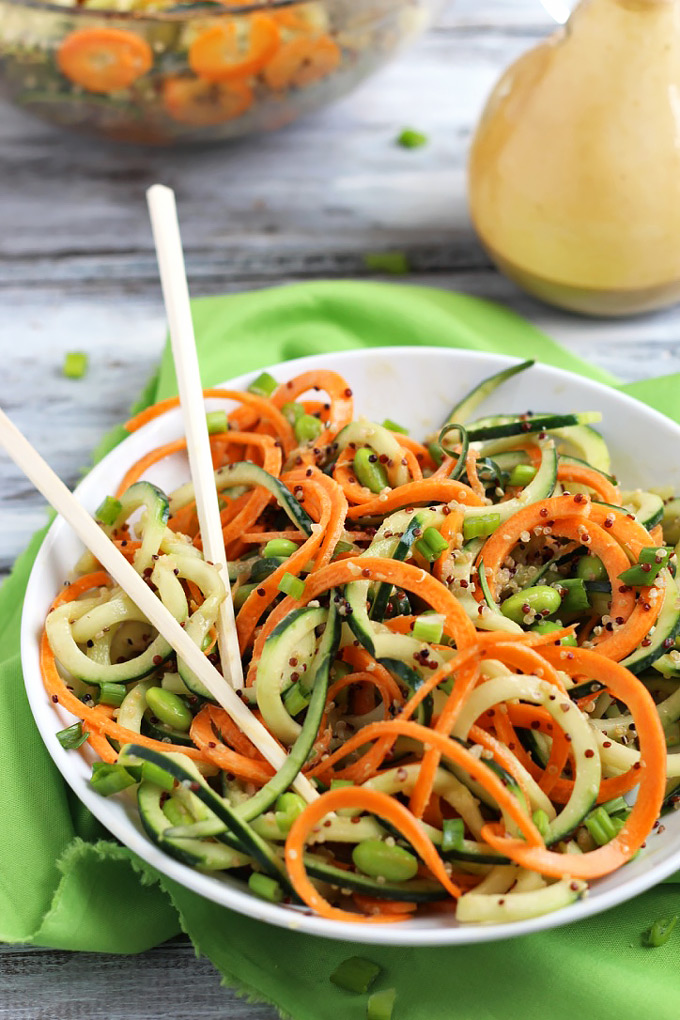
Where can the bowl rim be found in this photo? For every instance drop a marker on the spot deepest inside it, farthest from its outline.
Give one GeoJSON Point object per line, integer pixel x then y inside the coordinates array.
{"type": "Point", "coordinates": [419, 933]}
{"type": "Point", "coordinates": [154, 17]}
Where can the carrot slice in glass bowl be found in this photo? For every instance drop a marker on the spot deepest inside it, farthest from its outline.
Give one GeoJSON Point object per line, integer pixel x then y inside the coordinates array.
{"type": "Point", "coordinates": [104, 59]}
{"type": "Point", "coordinates": [202, 103]}
{"type": "Point", "coordinates": [301, 62]}
{"type": "Point", "coordinates": [234, 49]}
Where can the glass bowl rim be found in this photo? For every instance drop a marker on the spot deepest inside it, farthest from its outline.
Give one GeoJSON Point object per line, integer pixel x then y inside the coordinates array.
{"type": "Point", "coordinates": [139, 17]}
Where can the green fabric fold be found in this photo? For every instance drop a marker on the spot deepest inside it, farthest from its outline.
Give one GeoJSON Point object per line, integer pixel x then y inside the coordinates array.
{"type": "Point", "coordinates": [65, 884]}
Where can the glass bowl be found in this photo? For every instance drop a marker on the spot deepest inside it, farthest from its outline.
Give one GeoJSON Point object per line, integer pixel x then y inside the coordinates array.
{"type": "Point", "coordinates": [199, 71]}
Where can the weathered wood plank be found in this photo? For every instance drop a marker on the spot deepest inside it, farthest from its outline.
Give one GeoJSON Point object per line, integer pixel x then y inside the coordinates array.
{"type": "Point", "coordinates": [167, 982]}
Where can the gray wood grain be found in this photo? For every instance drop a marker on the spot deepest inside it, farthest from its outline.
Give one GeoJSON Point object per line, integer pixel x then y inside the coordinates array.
{"type": "Point", "coordinates": [77, 272]}
{"type": "Point", "coordinates": [166, 983]}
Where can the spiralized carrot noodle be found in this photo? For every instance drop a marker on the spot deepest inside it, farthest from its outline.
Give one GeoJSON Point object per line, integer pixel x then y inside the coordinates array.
{"type": "Point", "coordinates": [356, 688]}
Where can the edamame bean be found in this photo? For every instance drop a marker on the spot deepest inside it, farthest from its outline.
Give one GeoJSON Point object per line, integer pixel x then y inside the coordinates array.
{"type": "Point", "coordinates": [307, 428]}
{"type": "Point", "coordinates": [282, 547]}
{"type": "Point", "coordinates": [591, 568]}
{"type": "Point", "coordinates": [548, 626]}
{"type": "Point", "coordinates": [540, 599]}
{"type": "Point", "coordinates": [379, 859]}
{"type": "Point", "coordinates": [369, 470]}
{"type": "Point", "coordinates": [169, 708]}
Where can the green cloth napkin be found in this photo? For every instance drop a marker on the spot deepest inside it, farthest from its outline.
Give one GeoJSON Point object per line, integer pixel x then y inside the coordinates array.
{"type": "Point", "coordinates": [65, 884]}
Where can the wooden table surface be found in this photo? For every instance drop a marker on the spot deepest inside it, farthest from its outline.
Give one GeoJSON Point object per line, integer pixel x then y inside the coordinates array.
{"type": "Point", "coordinates": [77, 271]}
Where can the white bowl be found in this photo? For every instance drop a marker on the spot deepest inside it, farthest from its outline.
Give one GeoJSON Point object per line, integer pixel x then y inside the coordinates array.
{"type": "Point", "coordinates": [415, 386]}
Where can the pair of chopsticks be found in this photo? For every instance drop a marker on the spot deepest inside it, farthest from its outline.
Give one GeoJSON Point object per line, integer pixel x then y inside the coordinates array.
{"type": "Point", "coordinates": [223, 687]}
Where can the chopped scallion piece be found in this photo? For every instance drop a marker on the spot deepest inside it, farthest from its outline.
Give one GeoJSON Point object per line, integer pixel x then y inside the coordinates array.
{"type": "Point", "coordinates": [393, 262]}
{"type": "Point", "coordinates": [541, 821]}
{"type": "Point", "coordinates": [292, 585]}
{"type": "Point", "coordinates": [431, 545]}
{"type": "Point", "coordinates": [574, 595]}
{"type": "Point", "coordinates": [647, 569]}
{"type": "Point", "coordinates": [264, 385]}
{"type": "Point", "coordinates": [429, 627]}
{"type": "Point", "coordinates": [112, 694]}
{"type": "Point", "coordinates": [265, 887]}
{"type": "Point", "coordinates": [660, 932]}
{"type": "Point", "coordinates": [72, 737]}
{"type": "Point", "coordinates": [409, 138]}
{"type": "Point", "coordinates": [75, 365]}
{"type": "Point", "coordinates": [343, 547]}
{"type": "Point", "coordinates": [108, 779]}
{"type": "Point", "coordinates": [355, 974]}
{"type": "Point", "coordinates": [380, 1005]}
{"type": "Point", "coordinates": [602, 827]}
{"type": "Point", "coordinates": [436, 451]}
{"type": "Point", "coordinates": [295, 700]}
{"type": "Point", "coordinates": [108, 511]}
{"type": "Point", "coordinates": [279, 547]}
{"type": "Point", "coordinates": [522, 474]}
{"type": "Point", "coordinates": [453, 833]}
{"type": "Point", "coordinates": [480, 527]}
{"type": "Point", "coordinates": [393, 427]}
{"type": "Point", "coordinates": [292, 412]}
{"type": "Point", "coordinates": [217, 422]}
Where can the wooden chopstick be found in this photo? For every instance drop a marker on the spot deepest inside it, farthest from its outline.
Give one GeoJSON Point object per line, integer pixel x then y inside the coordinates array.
{"type": "Point", "coordinates": [165, 226]}
{"type": "Point", "coordinates": [64, 502]}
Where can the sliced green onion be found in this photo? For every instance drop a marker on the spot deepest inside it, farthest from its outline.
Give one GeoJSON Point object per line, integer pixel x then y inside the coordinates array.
{"type": "Point", "coordinates": [480, 527]}
{"type": "Point", "coordinates": [265, 888]}
{"type": "Point", "coordinates": [657, 556]}
{"type": "Point", "coordinates": [108, 779]}
{"type": "Point", "coordinates": [369, 471]}
{"type": "Point", "coordinates": [650, 562]}
{"type": "Point", "coordinates": [217, 422]}
{"type": "Point", "coordinates": [264, 385]}
{"type": "Point", "coordinates": [292, 585]}
{"type": "Point", "coordinates": [602, 827]}
{"type": "Point", "coordinates": [484, 585]}
{"type": "Point", "coordinates": [282, 547]}
{"type": "Point", "coordinates": [522, 474]}
{"type": "Point", "coordinates": [574, 595]}
{"type": "Point", "coordinates": [409, 138]}
{"type": "Point", "coordinates": [295, 700]}
{"type": "Point", "coordinates": [288, 807]}
{"type": "Point", "coordinates": [307, 428]}
{"type": "Point", "coordinates": [355, 974]}
{"type": "Point", "coordinates": [453, 833]}
{"type": "Point", "coordinates": [342, 547]}
{"type": "Point", "coordinates": [431, 545]}
{"type": "Point", "coordinates": [541, 821]}
{"type": "Point", "coordinates": [75, 365]}
{"type": "Point", "coordinates": [617, 806]}
{"type": "Point", "coordinates": [436, 451]}
{"type": "Point", "coordinates": [393, 262]}
{"type": "Point", "coordinates": [429, 627]}
{"type": "Point", "coordinates": [380, 1005]}
{"type": "Point", "coordinates": [112, 694]}
{"type": "Point", "coordinates": [108, 512]}
{"type": "Point", "coordinates": [660, 932]}
{"type": "Point", "coordinates": [393, 427]}
{"type": "Point", "coordinates": [72, 737]}
{"type": "Point", "coordinates": [292, 412]}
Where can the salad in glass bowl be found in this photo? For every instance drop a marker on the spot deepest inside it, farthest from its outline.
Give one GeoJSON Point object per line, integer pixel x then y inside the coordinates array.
{"type": "Point", "coordinates": [163, 72]}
